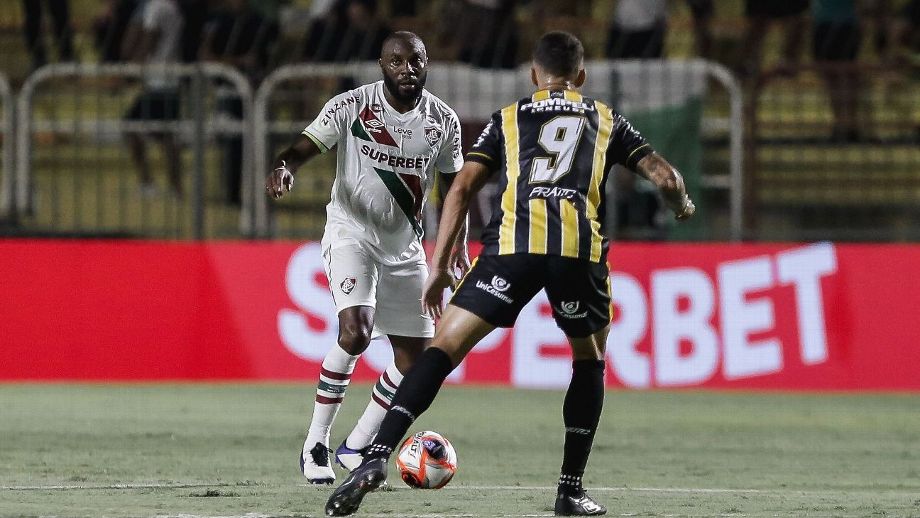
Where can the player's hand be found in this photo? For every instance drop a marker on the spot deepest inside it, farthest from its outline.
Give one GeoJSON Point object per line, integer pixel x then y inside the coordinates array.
{"type": "Point", "coordinates": [686, 210]}
{"type": "Point", "coordinates": [433, 292]}
{"type": "Point", "coordinates": [460, 261]}
{"type": "Point", "coordinates": [281, 179]}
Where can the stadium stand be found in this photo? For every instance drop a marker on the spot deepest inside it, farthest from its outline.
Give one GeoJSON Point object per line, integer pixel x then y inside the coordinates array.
{"type": "Point", "coordinates": [800, 183]}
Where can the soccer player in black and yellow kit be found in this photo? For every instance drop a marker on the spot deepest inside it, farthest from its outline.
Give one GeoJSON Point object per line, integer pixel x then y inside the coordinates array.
{"type": "Point", "coordinates": [553, 152]}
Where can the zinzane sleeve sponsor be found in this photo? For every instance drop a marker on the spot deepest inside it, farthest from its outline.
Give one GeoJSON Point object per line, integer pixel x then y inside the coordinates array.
{"type": "Point", "coordinates": [332, 122]}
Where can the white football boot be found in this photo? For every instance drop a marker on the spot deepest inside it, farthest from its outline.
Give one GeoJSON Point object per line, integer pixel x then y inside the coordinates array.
{"type": "Point", "coordinates": [315, 465]}
{"type": "Point", "coordinates": [349, 458]}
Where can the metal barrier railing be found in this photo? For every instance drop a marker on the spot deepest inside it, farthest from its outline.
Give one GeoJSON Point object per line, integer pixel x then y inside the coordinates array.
{"type": "Point", "coordinates": [75, 130]}
{"type": "Point", "coordinates": [735, 128]}
{"type": "Point", "coordinates": [81, 124]}
{"type": "Point", "coordinates": [644, 90]}
{"type": "Point", "coordinates": [832, 153]}
{"type": "Point", "coordinates": [7, 133]}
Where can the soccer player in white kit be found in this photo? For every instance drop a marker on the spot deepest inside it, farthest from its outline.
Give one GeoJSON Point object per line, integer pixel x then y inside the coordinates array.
{"type": "Point", "coordinates": [391, 137]}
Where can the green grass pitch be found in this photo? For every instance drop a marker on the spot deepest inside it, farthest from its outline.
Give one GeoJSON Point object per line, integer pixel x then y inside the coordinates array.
{"type": "Point", "coordinates": [231, 450]}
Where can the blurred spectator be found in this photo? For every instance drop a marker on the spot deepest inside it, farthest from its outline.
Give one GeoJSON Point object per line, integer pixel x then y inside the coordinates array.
{"type": "Point", "coordinates": [483, 33]}
{"type": "Point", "coordinates": [109, 28]}
{"type": "Point", "coordinates": [60, 21]}
{"type": "Point", "coordinates": [238, 35]}
{"type": "Point", "coordinates": [194, 16]}
{"type": "Point", "coordinates": [702, 11]}
{"type": "Point", "coordinates": [639, 27]}
{"type": "Point", "coordinates": [906, 42]}
{"type": "Point", "coordinates": [761, 14]}
{"type": "Point", "coordinates": [637, 30]}
{"type": "Point", "coordinates": [836, 38]}
{"type": "Point", "coordinates": [350, 31]}
{"type": "Point", "coordinates": [327, 25]}
{"type": "Point", "coordinates": [154, 37]}
{"type": "Point", "coordinates": [904, 46]}
{"type": "Point", "coordinates": [403, 8]}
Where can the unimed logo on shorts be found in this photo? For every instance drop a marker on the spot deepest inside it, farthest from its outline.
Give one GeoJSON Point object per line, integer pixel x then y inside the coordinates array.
{"type": "Point", "coordinates": [496, 288]}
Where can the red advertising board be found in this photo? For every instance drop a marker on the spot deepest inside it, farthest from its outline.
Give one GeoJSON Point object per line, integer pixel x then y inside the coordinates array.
{"type": "Point", "coordinates": [771, 316]}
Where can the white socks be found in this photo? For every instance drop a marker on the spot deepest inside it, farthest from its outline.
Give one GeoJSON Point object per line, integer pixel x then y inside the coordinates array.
{"type": "Point", "coordinates": [381, 398]}
{"type": "Point", "coordinates": [333, 380]}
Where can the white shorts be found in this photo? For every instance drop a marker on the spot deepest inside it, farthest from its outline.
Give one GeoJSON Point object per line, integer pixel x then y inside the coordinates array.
{"type": "Point", "coordinates": [357, 279]}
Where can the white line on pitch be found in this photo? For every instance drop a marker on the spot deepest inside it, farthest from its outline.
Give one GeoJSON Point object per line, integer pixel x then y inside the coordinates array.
{"type": "Point", "coordinates": [176, 485]}
{"type": "Point", "coordinates": [697, 490]}
{"type": "Point", "coordinates": [433, 515]}
{"type": "Point", "coordinates": [590, 488]}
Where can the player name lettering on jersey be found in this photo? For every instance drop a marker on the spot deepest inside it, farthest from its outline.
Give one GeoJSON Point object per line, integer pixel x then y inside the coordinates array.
{"type": "Point", "coordinates": [557, 104]}
{"type": "Point", "coordinates": [336, 106]}
{"type": "Point", "coordinates": [552, 192]}
{"type": "Point", "coordinates": [394, 160]}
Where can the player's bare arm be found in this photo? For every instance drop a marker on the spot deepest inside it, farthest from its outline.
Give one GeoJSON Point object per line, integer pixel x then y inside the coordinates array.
{"type": "Point", "coordinates": [281, 177]}
{"type": "Point", "coordinates": [669, 181]}
{"type": "Point", "coordinates": [468, 182]}
{"type": "Point", "coordinates": [459, 262]}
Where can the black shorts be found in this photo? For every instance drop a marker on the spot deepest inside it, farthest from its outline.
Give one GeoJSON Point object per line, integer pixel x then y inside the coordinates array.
{"type": "Point", "coordinates": [154, 105]}
{"type": "Point", "coordinates": [497, 287]}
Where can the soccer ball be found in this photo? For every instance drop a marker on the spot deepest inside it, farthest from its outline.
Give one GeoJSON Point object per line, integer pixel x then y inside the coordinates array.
{"type": "Point", "coordinates": [427, 461]}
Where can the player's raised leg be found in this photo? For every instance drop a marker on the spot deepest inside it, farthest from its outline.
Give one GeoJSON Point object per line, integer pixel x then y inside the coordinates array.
{"type": "Point", "coordinates": [581, 412]}
{"type": "Point", "coordinates": [399, 315]}
{"type": "Point", "coordinates": [350, 453]}
{"type": "Point", "coordinates": [457, 333]}
{"type": "Point", "coordinates": [406, 349]}
{"type": "Point", "coordinates": [355, 327]}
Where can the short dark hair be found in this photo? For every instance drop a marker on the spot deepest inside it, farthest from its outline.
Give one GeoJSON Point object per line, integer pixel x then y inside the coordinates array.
{"type": "Point", "coordinates": [560, 53]}
{"type": "Point", "coordinates": [406, 36]}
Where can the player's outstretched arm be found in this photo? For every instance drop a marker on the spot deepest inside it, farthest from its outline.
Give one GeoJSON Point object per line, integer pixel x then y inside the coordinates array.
{"type": "Point", "coordinates": [281, 177]}
{"type": "Point", "coordinates": [459, 262]}
{"type": "Point", "coordinates": [468, 182]}
{"type": "Point", "coordinates": [657, 170]}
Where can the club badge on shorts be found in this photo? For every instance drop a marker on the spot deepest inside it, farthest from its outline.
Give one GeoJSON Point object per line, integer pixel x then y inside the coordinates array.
{"type": "Point", "coordinates": [348, 284]}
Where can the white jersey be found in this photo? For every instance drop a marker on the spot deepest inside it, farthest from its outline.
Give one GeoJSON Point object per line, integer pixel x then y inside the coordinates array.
{"type": "Point", "coordinates": [385, 167]}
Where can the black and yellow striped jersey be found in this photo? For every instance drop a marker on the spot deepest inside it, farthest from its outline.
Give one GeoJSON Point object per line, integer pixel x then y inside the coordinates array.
{"type": "Point", "coordinates": [554, 151]}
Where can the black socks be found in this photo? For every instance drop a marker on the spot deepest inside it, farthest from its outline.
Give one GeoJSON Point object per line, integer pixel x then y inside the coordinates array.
{"type": "Point", "coordinates": [415, 394]}
{"type": "Point", "coordinates": [581, 412]}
